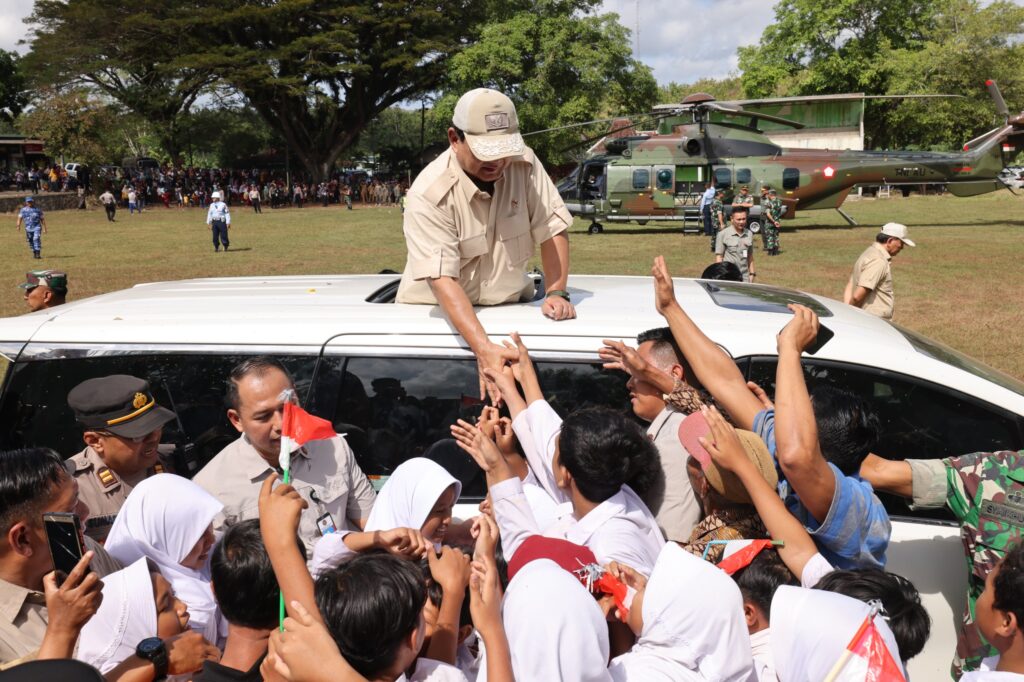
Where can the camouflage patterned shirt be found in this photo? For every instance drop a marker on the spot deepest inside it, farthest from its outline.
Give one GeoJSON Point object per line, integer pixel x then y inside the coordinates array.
{"type": "Point", "coordinates": [717, 213]}
{"type": "Point", "coordinates": [985, 491]}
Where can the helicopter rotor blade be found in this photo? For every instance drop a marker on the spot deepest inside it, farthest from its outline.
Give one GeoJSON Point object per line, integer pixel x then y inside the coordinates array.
{"type": "Point", "coordinates": [595, 138]}
{"type": "Point", "coordinates": [745, 113]}
{"type": "Point", "coordinates": [997, 96]}
{"type": "Point", "coordinates": [578, 125]}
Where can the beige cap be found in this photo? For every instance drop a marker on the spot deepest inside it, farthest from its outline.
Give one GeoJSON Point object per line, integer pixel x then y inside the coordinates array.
{"type": "Point", "coordinates": [898, 231]}
{"type": "Point", "coordinates": [489, 120]}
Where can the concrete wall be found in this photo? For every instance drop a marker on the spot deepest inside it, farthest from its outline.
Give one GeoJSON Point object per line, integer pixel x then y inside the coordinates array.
{"type": "Point", "coordinates": [56, 201]}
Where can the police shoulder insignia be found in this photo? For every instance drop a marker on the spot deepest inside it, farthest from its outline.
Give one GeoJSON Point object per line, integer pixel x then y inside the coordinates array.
{"type": "Point", "coordinates": [106, 476]}
{"type": "Point", "coordinates": [139, 401]}
{"type": "Point", "coordinates": [158, 468]}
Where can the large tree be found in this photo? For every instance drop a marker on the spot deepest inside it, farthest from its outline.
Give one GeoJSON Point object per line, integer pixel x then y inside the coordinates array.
{"type": "Point", "coordinates": [74, 125]}
{"type": "Point", "coordinates": [560, 67]}
{"type": "Point", "coordinates": [121, 48]}
{"type": "Point", "coordinates": [12, 87]}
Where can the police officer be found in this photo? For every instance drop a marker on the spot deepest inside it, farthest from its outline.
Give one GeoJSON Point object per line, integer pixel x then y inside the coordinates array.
{"type": "Point", "coordinates": [122, 428]}
{"type": "Point", "coordinates": [35, 226]}
{"type": "Point", "coordinates": [736, 244]}
{"type": "Point", "coordinates": [717, 216]}
{"type": "Point", "coordinates": [218, 217]}
{"type": "Point", "coordinates": [45, 289]}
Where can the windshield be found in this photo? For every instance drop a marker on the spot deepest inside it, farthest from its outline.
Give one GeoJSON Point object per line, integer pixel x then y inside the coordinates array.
{"type": "Point", "coordinates": [943, 353]}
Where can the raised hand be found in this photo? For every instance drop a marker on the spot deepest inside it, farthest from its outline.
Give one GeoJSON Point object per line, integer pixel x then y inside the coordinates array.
{"type": "Point", "coordinates": [801, 331]}
{"type": "Point", "coordinates": [664, 289]}
{"type": "Point", "coordinates": [483, 450]}
{"type": "Point", "coordinates": [722, 443]}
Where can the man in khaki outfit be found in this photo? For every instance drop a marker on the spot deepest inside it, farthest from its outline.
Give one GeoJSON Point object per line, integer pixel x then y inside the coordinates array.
{"type": "Point", "coordinates": [123, 425]}
{"type": "Point", "coordinates": [473, 220]}
{"type": "Point", "coordinates": [870, 286]}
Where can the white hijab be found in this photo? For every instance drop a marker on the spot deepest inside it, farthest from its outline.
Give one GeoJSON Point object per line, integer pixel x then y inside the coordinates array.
{"type": "Point", "coordinates": [812, 628]}
{"type": "Point", "coordinates": [693, 625]}
{"type": "Point", "coordinates": [410, 494]}
{"type": "Point", "coordinates": [126, 616]}
{"type": "Point", "coordinates": [163, 519]}
{"type": "Point", "coordinates": [555, 629]}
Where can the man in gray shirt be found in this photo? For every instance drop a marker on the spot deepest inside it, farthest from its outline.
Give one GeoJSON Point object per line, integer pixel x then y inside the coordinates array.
{"type": "Point", "coordinates": [735, 244]}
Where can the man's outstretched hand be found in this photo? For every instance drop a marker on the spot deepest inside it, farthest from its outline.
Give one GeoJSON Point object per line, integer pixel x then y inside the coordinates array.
{"type": "Point", "coordinates": [557, 308]}
{"type": "Point", "coordinates": [494, 357]}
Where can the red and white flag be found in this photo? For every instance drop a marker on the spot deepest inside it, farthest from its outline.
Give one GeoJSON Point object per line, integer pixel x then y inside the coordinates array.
{"type": "Point", "coordinates": [866, 658]}
{"type": "Point", "coordinates": [298, 428]}
{"type": "Point", "coordinates": [739, 553]}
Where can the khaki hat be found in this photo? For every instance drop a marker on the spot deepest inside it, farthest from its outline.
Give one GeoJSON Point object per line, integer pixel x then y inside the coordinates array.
{"type": "Point", "coordinates": [488, 118]}
{"type": "Point", "coordinates": [118, 403]}
{"type": "Point", "coordinates": [55, 279]}
{"type": "Point", "coordinates": [725, 482]}
{"type": "Point", "coordinates": [898, 231]}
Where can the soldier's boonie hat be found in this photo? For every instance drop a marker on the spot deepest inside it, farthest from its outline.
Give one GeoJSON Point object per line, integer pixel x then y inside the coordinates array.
{"type": "Point", "coordinates": [118, 403]}
{"type": "Point", "coordinates": [29, 200]}
{"type": "Point", "coordinates": [55, 279]}
{"type": "Point", "coordinates": [898, 231]}
{"type": "Point", "coordinates": [488, 118]}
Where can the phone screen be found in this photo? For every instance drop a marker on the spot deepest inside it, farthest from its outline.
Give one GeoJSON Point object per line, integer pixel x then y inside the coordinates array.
{"type": "Point", "coordinates": [63, 533]}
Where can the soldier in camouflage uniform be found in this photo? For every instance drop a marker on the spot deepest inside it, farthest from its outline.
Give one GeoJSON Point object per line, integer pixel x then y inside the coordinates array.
{"type": "Point", "coordinates": [772, 210]}
{"type": "Point", "coordinates": [985, 492]}
{"type": "Point", "coordinates": [717, 216]}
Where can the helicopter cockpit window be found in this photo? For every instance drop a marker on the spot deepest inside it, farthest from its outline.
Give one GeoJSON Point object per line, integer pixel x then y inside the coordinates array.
{"type": "Point", "coordinates": [641, 178]}
{"type": "Point", "coordinates": [723, 177]}
{"type": "Point", "coordinates": [743, 176]}
{"type": "Point", "coordinates": [665, 179]}
{"type": "Point", "coordinates": [790, 178]}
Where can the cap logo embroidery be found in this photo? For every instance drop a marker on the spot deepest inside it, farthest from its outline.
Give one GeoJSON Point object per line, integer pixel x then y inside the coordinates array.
{"type": "Point", "coordinates": [139, 401]}
{"type": "Point", "coordinates": [498, 121]}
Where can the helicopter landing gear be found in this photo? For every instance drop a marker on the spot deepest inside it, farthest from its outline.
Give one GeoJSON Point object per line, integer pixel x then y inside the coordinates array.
{"type": "Point", "coordinates": [595, 228]}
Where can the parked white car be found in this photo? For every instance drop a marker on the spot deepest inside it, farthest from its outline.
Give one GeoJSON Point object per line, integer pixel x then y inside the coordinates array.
{"type": "Point", "coordinates": [394, 377]}
{"type": "Point", "coordinates": [72, 169]}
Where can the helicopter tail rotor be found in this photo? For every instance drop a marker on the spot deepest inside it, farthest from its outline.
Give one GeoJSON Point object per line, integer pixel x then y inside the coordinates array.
{"type": "Point", "coordinates": [997, 97]}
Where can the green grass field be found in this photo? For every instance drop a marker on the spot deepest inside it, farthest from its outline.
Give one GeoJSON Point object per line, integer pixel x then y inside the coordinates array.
{"type": "Point", "coordinates": [962, 285]}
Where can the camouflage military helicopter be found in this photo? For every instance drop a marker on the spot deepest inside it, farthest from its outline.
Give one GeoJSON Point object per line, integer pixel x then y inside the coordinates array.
{"type": "Point", "coordinates": [660, 175]}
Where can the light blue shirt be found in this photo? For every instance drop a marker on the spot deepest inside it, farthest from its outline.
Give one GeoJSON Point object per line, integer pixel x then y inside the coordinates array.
{"type": "Point", "coordinates": [31, 218]}
{"type": "Point", "coordinates": [218, 211]}
{"type": "Point", "coordinates": [706, 198]}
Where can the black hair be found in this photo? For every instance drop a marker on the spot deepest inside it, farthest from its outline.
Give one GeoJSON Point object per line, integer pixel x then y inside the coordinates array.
{"type": "Point", "coordinates": [1009, 585]}
{"type": "Point", "coordinates": [258, 365]}
{"type": "Point", "coordinates": [459, 132]}
{"type": "Point", "coordinates": [665, 346]}
{"type": "Point", "coordinates": [741, 209]}
{"type": "Point", "coordinates": [436, 595]}
{"type": "Point", "coordinates": [603, 450]}
{"type": "Point", "coordinates": [882, 237]}
{"type": "Point", "coordinates": [243, 579]}
{"type": "Point", "coordinates": [27, 479]}
{"type": "Point", "coordinates": [370, 603]}
{"type": "Point", "coordinates": [723, 271]}
{"type": "Point", "coordinates": [848, 429]}
{"type": "Point", "coordinates": [901, 603]}
{"type": "Point", "coordinates": [759, 580]}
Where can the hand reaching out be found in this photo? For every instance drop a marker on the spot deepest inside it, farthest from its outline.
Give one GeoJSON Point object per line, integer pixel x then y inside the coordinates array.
{"type": "Point", "coordinates": [483, 450]}
{"type": "Point", "coordinates": [304, 651]}
{"type": "Point", "coordinates": [404, 542]}
{"type": "Point", "coordinates": [450, 570]}
{"type": "Point", "coordinates": [280, 509]}
{"type": "Point", "coordinates": [760, 394]}
{"type": "Point", "coordinates": [664, 289]}
{"type": "Point", "coordinates": [722, 443]}
{"type": "Point", "coordinates": [617, 355]}
{"type": "Point", "coordinates": [485, 531]}
{"type": "Point", "coordinates": [801, 331]}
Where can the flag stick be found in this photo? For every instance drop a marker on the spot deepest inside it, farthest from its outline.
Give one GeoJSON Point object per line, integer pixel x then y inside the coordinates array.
{"type": "Point", "coordinates": [284, 460]}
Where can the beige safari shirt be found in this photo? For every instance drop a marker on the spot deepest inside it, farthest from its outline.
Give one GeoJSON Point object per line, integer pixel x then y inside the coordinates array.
{"type": "Point", "coordinates": [103, 491]}
{"type": "Point", "coordinates": [23, 615]}
{"type": "Point", "coordinates": [873, 271]}
{"type": "Point", "coordinates": [671, 499]}
{"type": "Point", "coordinates": [453, 229]}
{"type": "Point", "coordinates": [324, 473]}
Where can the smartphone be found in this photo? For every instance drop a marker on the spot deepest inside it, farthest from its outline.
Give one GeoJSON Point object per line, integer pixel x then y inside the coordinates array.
{"type": "Point", "coordinates": [64, 535]}
{"type": "Point", "coordinates": [824, 336]}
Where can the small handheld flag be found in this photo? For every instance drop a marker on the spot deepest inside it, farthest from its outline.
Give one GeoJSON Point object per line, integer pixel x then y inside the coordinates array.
{"type": "Point", "coordinates": [866, 658]}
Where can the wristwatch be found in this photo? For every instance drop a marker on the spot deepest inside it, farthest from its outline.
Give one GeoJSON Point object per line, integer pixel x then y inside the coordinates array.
{"type": "Point", "coordinates": [561, 293]}
{"type": "Point", "coordinates": [154, 650]}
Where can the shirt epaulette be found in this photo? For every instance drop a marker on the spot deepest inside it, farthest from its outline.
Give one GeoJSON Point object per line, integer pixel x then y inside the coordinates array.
{"type": "Point", "coordinates": [441, 186]}
{"type": "Point", "coordinates": [107, 477]}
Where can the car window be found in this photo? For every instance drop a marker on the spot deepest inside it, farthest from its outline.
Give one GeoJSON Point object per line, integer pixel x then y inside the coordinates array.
{"type": "Point", "coordinates": [763, 298]}
{"type": "Point", "coordinates": [34, 410]}
{"type": "Point", "coordinates": [393, 409]}
{"type": "Point", "coordinates": [919, 420]}
{"type": "Point", "coordinates": [641, 178]}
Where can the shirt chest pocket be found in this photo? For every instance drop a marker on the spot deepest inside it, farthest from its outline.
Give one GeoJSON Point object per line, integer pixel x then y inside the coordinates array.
{"type": "Point", "coordinates": [514, 234]}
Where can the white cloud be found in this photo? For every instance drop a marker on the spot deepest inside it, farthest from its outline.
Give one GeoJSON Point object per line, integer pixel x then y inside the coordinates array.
{"type": "Point", "coordinates": [12, 25]}
{"type": "Point", "coordinates": [684, 40]}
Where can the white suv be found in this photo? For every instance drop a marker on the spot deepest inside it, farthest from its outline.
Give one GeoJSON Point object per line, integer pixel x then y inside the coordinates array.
{"type": "Point", "coordinates": [394, 377]}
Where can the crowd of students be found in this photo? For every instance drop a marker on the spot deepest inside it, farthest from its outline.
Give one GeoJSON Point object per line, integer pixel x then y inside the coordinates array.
{"type": "Point", "coordinates": [575, 569]}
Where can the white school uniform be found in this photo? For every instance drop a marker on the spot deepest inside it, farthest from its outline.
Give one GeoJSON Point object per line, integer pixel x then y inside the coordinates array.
{"type": "Point", "coordinates": [620, 528]}
{"type": "Point", "coordinates": [812, 628]}
{"type": "Point", "coordinates": [405, 501]}
{"type": "Point", "coordinates": [554, 627]}
{"type": "Point", "coordinates": [693, 626]}
{"type": "Point", "coordinates": [126, 616]}
{"type": "Point", "coordinates": [761, 651]}
{"type": "Point", "coordinates": [163, 519]}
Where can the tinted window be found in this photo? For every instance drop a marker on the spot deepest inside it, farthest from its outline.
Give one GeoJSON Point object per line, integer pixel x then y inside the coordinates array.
{"type": "Point", "coordinates": [790, 178]}
{"type": "Point", "coordinates": [767, 299]}
{"type": "Point", "coordinates": [665, 179]}
{"type": "Point", "coordinates": [723, 177]}
{"type": "Point", "coordinates": [919, 420]}
{"type": "Point", "coordinates": [396, 408]}
{"type": "Point", "coordinates": [35, 411]}
{"type": "Point", "coordinates": [641, 178]}
{"type": "Point", "coordinates": [743, 176]}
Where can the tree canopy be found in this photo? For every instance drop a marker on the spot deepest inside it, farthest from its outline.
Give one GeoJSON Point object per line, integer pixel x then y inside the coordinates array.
{"type": "Point", "coordinates": [13, 96]}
